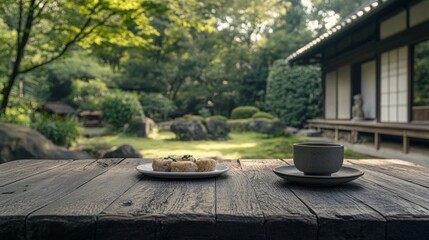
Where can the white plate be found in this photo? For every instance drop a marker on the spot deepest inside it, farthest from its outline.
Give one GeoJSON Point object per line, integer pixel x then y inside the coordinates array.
{"type": "Point", "coordinates": [146, 169]}
{"type": "Point", "coordinates": [344, 175]}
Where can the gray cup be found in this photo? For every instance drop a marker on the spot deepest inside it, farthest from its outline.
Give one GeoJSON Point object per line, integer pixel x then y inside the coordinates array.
{"type": "Point", "coordinates": [318, 158]}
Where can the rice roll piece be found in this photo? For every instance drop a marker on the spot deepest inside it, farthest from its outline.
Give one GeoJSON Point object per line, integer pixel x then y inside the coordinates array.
{"type": "Point", "coordinates": [184, 166]}
{"type": "Point", "coordinates": [187, 158]}
{"type": "Point", "coordinates": [205, 164]}
{"type": "Point", "coordinates": [162, 164]}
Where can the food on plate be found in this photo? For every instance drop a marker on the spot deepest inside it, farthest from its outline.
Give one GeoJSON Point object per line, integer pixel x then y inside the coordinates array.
{"type": "Point", "coordinates": [185, 163]}
{"type": "Point", "coordinates": [184, 166]}
{"type": "Point", "coordinates": [205, 164]}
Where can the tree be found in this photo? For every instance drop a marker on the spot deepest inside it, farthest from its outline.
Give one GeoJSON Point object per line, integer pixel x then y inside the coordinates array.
{"type": "Point", "coordinates": [45, 30]}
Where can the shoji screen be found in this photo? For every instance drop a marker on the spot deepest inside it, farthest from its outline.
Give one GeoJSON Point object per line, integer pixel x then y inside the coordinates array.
{"type": "Point", "coordinates": [331, 95]}
{"type": "Point", "coordinates": [394, 85]}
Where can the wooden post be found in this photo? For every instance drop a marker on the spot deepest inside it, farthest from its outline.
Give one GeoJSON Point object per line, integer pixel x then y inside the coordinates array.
{"type": "Point", "coordinates": [405, 143]}
{"type": "Point", "coordinates": [377, 140]}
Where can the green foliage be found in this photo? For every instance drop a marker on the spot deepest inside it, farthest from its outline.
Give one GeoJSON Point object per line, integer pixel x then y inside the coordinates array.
{"type": "Point", "coordinates": [263, 115]}
{"type": "Point", "coordinates": [243, 112]}
{"type": "Point", "coordinates": [88, 95]}
{"type": "Point", "coordinates": [20, 111]}
{"type": "Point", "coordinates": [157, 106]}
{"type": "Point", "coordinates": [63, 132]}
{"type": "Point", "coordinates": [218, 117]}
{"type": "Point", "coordinates": [421, 74]}
{"type": "Point", "coordinates": [294, 93]}
{"type": "Point", "coordinates": [62, 76]}
{"type": "Point", "coordinates": [238, 125]}
{"type": "Point", "coordinates": [120, 108]}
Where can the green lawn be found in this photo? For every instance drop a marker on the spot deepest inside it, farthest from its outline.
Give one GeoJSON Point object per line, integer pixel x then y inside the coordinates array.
{"type": "Point", "coordinates": [241, 145]}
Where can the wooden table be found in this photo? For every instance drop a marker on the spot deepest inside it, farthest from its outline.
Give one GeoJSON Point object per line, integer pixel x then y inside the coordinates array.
{"type": "Point", "coordinates": [108, 199]}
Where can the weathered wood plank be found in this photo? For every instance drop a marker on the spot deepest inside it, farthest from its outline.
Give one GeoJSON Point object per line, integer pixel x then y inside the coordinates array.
{"type": "Point", "coordinates": [405, 219]}
{"type": "Point", "coordinates": [21, 198]}
{"type": "Point", "coordinates": [74, 215]}
{"type": "Point", "coordinates": [239, 215]}
{"type": "Point", "coordinates": [286, 217]}
{"type": "Point", "coordinates": [397, 168]}
{"type": "Point", "coordinates": [161, 209]}
{"type": "Point", "coordinates": [17, 170]}
{"type": "Point", "coordinates": [407, 190]}
{"type": "Point", "coordinates": [339, 215]}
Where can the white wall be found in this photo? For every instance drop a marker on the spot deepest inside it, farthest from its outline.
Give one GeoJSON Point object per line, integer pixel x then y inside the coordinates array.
{"type": "Point", "coordinates": [393, 25]}
{"type": "Point", "coordinates": [368, 89]}
{"type": "Point", "coordinates": [419, 13]}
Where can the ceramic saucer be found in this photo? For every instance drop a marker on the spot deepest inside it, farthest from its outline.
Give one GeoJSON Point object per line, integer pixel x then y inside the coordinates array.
{"type": "Point", "coordinates": [344, 175]}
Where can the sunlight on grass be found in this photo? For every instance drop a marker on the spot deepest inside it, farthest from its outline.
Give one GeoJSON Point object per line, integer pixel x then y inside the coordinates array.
{"type": "Point", "coordinates": [225, 145]}
{"type": "Point", "coordinates": [240, 145]}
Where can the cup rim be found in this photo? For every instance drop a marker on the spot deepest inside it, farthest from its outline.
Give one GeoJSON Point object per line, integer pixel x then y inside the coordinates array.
{"type": "Point", "coordinates": [318, 145]}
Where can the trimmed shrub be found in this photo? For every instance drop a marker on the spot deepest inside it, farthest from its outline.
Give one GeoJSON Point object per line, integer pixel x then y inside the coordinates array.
{"type": "Point", "coordinates": [63, 132]}
{"type": "Point", "coordinates": [121, 108]}
{"type": "Point", "coordinates": [218, 117]}
{"type": "Point", "coordinates": [238, 125]}
{"type": "Point", "coordinates": [243, 112]}
{"type": "Point", "coordinates": [192, 117]}
{"type": "Point", "coordinates": [262, 115]}
{"type": "Point", "coordinates": [294, 93]}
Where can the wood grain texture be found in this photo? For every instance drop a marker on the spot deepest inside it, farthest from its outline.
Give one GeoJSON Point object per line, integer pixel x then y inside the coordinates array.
{"type": "Point", "coordinates": [17, 170]}
{"type": "Point", "coordinates": [402, 188]}
{"type": "Point", "coordinates": [161, 209]}
{"type": "Point", "coordinates": [404, 205]}
{"type": "Point", "coordinates": [239, 215]}
{"type": "Point", "coordinates": [74, 215]}
{"type": "Point", "coordinates": [286, 217]}
{"type": "Point", "coordinates": [397, 168]}
{"type": "Point", "coordinates": [340, 216]}
{"type": "Point", "coordinates": [21, 198]}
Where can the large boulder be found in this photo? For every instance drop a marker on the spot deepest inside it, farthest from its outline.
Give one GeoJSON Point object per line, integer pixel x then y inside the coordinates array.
{"type": "Point", "coordinates": [18, 142]}
{"type": "Point", "coordinates": [124, 151]}
{"type": "Point", "coordinates": [270, 127]}
{"type": "Point", "coordinates": [189, 130]}
{"type": "Point", "coordinates": [217, 129]}
{"type": "Point", "coordinates": [140, 127]}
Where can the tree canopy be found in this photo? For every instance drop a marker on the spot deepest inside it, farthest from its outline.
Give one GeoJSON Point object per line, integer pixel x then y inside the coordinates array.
{"type": "Point", "coordinates": [211, 54]}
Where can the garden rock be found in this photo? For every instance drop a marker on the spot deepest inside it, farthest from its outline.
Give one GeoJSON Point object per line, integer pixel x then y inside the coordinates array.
{"type": "Point", "coordinates": [217, 129]}
{"type": "Point", "coordinates": [258, 124]}
{"type": "Point", "coordinates": [267, 126]}
{"type": "Point", "coordinates": [186, 130]}
{"type": "Point", "coordinates": [290, 131]}
{"type": "Point", "coordinates": [124, 151]}
{"type": "Point", "coordinates": [18, 142]}
{"type": "Point", "coordinates": [140, 127]}
{"type": "Point", "coordinates": [308, 133]}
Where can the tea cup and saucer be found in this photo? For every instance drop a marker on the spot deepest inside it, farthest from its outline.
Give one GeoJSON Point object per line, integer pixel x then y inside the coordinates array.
{"type": "Point", "coordinates": [318, 164]}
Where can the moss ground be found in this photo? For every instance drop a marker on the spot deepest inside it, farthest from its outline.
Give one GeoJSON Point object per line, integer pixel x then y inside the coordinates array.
{"type": "Point", "coordinates": [240, 145]}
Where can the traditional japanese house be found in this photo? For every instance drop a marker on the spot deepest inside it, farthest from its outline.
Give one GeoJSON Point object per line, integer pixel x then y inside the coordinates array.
{"type": "Point", "coordinates": [381, 51]}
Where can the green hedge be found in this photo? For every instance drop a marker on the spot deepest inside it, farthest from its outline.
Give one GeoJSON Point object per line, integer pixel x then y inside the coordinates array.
{"type": "Point", "coordinates": [263, 115]}
{"type": "Point", "coordinates": [294, 93]}
{"type": "Point", "coordinates": [218, 117]}
{"type": "Point", "coordinates": [243, 112]}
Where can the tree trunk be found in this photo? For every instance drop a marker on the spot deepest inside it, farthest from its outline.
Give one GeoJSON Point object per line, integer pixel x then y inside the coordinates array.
{"type": "Point", "coordinates": [7, 90]}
